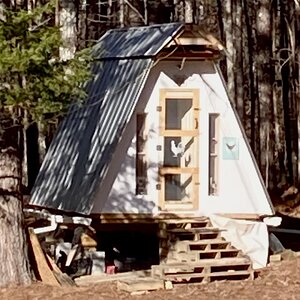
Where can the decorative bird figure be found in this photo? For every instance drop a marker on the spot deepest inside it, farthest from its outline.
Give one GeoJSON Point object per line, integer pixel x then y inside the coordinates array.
{"type": "Point", "coordinates": [177, 150]}
{"type": "Point", "coordinates": [230, 147]}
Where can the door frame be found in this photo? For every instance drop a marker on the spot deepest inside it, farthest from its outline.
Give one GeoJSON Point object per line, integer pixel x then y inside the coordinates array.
{"type": "Point", "coordinates": [179, 93]}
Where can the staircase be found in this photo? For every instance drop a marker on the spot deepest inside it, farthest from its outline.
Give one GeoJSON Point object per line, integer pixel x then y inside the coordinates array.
{"type": "Point", "coordinates": [194, 251]}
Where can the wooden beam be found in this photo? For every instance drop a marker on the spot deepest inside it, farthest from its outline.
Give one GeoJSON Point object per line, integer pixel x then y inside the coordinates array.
{"type": "Point", "coordinates": [243, 216]}
{"type": "Point", "coordinates": [175, 170]}
{"type": "Point", "coordinates": [43, 268]}
{"type": "Point", "coordinates": [189, 55]}
{"type": "Point", "coordinates": [191, 40]}
{"type": "Point", "coordinates": [61, 277]}
{"type": "Point", "coordinates": [145, 218]}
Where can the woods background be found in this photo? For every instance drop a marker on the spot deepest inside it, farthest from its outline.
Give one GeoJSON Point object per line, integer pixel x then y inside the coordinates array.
{"type": "Point", "coordinates": [261, 67]}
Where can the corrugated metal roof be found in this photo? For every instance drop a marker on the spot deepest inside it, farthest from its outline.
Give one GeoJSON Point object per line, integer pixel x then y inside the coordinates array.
{"type": "Point", "coordinates": [136, 41]}
{"type": "Point", "coordinates": [80, 153]}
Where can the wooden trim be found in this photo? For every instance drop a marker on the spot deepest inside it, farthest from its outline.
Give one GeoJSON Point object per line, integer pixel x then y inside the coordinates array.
{"type": "Point", "coordinates": [192, 41]}
{"type": "Point", "coordinates": [216, 155]}
{"type": "Point", "coordinates": [179, 93]}
{"type": "Point", "coordinates": [141, 178]}
{"type": "Point", "coordinates": [127, 218]}
{"type": "Point", "coordinates": [175, 133]}
{"type": "Point", "coordinates": [173, 206]}
{"type": "Point", "coordinates": [242, 216]}
{"type": "Point", "coordinates": [199, 55]}
{"type": "Point", "coordinates": [170, 170]}
{"type": "Point", "coordinates": [180, 205]}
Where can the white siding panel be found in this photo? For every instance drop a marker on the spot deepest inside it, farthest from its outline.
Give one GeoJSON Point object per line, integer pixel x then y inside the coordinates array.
{"type": "Point", "coordinates": [240, 187]}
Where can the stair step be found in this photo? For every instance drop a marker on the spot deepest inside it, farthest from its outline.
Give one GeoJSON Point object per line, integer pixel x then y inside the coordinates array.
{"type": "Point", "coordinates": [194, 251]}
{"type": "Point", "coordinates": [209, 244]}
{"type": "Point", "coordinates": [187, 220]}
{"type": "Point", "coordinates": [226, 268]}
{"type": "Point", "coordinates": [228, 261]}
{"type": "Point", "coordinates": [188, 225]}
{"type": "Point", "coordinates": [206, 254]}
{"type": "Point", "coordinates": [205, 277]}
{"type": "Point", "coordinates": [193, 230]}
{"type": "Point", "coordinates": [190, 236]}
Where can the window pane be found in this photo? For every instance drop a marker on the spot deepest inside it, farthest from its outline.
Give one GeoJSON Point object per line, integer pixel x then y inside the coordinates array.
{"type": "Point", "coordinates": [180, 152]}
{"type": "Point", "coordinates": [178, 187]}
{"type": "Point", "coordinates": [179, 114]}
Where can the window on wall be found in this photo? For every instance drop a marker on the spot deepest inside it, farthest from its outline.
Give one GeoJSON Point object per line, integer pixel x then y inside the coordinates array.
{"type": "Point", "coordinates": [141, 163]}
{"type": "Point", "coordinates": [213, 154]}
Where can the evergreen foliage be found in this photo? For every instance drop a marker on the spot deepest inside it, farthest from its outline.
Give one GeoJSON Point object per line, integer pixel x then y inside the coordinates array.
{"type": "Point", "coordinates": [33, 79]}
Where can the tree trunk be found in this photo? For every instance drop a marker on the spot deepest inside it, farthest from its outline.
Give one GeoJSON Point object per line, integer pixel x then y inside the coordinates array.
{"type": "Point", "coordinates": [230, 49]}
{"type": "Point", "coordinates": [188, 11]}
{"type": "Point", "coordinates": [67, 22]}
{"type": "Point", "coordinates": [250, 67]}
{"type": "Point", "coordinates": [239, 72]}
{"type": "Point", "coordinates": [13, 247]}
{"type": "Point", "coordinates": [263, 57]}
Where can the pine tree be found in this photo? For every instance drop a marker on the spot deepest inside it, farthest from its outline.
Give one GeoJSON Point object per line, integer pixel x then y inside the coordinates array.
{"type": "Point", "coordinates": [35, 85]}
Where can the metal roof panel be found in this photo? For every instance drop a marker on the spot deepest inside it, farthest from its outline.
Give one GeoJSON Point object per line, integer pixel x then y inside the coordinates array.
{"type": "Point", "coordinates": [82, 149]}
{"type": "Point", "coordinates": [136, 41]}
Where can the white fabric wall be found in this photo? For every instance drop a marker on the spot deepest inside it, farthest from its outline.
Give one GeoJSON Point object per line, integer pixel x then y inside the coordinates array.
{"type": "Point", "coordinates": [249, 236]}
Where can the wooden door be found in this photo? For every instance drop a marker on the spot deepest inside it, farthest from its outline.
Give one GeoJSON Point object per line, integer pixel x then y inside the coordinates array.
{"type": "Point", "coordinates": [179, 130]}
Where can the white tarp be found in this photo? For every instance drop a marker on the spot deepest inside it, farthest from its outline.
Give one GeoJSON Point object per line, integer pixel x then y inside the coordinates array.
{"type": "Point", "coordinates": [249, 236]}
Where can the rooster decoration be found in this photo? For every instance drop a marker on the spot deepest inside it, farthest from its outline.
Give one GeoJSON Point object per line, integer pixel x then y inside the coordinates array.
{"type": "Point", "coordinates": [177, 150]}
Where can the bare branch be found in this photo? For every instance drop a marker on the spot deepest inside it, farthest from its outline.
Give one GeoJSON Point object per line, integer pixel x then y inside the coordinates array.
{"type": "Point", "coordinates": [135, 10]}
{"type": "Point", "coordinates": [39, 25]}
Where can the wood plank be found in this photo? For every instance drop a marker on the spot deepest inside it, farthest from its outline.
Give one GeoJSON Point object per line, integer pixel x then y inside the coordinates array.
{"type": "Point", "coordinates": [228, 261]}
{"type": "Point", "coordinates": [179, 133]}
{"type": "Point", "coordinates": [241, 216]}
{"type": "Point", "coordinates": [187, 277]}
{"type": "Point", "coordinates": [98, 278]}
{"type": "Point", "coordinates": [183, 221]}
{"type": "Point", "coordinates": [140, 284]}
{"type": "Point", "coordinates": [44, 271]}
{"type": "Point", "coordinates": [204, 242]}
{"type": "Point", "coordinates": [61, 277]}
{"type": "Point", "coordinates": [195, 230]}
{"type": "Point", "coordinates": [175, 170]}
{"type": "Point", "coordinates": [144, 218]}
{"type": "Point", "coordinates": [190, 55]}
{"type": "Point", "coordinates": [71, 255]}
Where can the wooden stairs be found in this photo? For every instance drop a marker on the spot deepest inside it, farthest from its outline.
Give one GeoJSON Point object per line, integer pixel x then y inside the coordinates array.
{"type": "Point", "coordinates": [194, 251]}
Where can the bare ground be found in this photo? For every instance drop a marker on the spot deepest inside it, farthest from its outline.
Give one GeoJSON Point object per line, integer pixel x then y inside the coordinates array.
{"type": "Point", "coordinates": [280, 281]}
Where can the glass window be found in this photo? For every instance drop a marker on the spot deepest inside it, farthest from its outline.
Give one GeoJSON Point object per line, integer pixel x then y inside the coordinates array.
{"type": "Point", "coordinates": [179, 114]}
{"type": "Point", "coordinates": [178, 187]}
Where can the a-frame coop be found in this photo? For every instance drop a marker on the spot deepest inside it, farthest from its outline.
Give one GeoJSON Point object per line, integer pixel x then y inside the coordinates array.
{"type": "Point", "coordinates": [156, 149]}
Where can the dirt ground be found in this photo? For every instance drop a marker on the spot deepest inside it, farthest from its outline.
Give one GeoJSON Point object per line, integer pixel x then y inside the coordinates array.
{"type": "Point", "coordinates": [280, 281]}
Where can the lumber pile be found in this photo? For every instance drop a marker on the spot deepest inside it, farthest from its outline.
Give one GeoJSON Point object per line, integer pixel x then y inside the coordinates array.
{"type": "Point", "coordinates": [45, 268]}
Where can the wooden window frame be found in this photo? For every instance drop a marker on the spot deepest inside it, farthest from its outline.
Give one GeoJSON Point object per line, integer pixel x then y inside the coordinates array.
{"type": "Point", "coordinates": [141, 157]}
{"type": "Point", "coordinates": [213, 169]}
